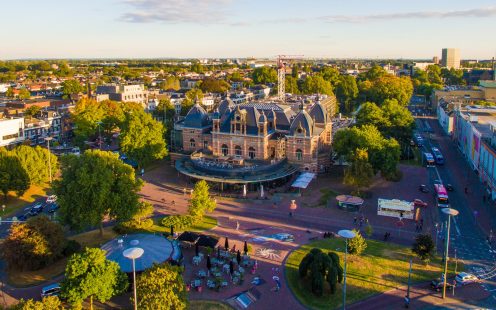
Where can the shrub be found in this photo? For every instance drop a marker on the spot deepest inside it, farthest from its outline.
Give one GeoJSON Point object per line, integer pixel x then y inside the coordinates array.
{"type": "Point", "coordinates": [178, 221]}
{"type": "Point", "coordinates": [319, 266]}
{"type": "Point", "coordinates": [357, 244]}
{"type": "Point", "coordinates": [369, 230]}
{"type": "Point", "coordinates": [71, 247]}
{"type": "Point", "coordinates": [423, 247]}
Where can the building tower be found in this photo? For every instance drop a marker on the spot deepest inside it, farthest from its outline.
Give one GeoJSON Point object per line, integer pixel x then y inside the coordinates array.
{"type": "Point", "coordinates": [451, 58]}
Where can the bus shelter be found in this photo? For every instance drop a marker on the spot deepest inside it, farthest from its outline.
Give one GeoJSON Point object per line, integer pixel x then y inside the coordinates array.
{"type": "Point", "coordinates": [395, 208]}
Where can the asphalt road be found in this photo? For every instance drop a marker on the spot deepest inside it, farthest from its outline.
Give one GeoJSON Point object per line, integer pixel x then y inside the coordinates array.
{"type": "Point", "coordinates": [467, 240]}
{"type": "Point", "coordinates": [5, 226]}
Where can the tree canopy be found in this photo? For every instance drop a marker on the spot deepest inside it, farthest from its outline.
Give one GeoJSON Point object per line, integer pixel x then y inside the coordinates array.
{"type": "Point", "coordinates": [212, 85]}
{"type": "Point", "coordinates": [316, 85]}
{"type": "Point", "coordinates": [191, 97]}
{"type": "Point", "coordinates": [142, 138]}
{"type": "Point", "coordinates": [360, 173]}
{"type": "Point", "coordinates": [424, 247]}
{"type": "Point", "coordinates": [91, 275]}
{"type": "Point", "coordinates": [34, 160]}
{"type": "Point", "coordinates": [170, 82]}
{"type": "Point", "coordinates": [47, 303]}
{"type": "Point", "coordinates": [70, 87]}
{"type": "Point", "coordinates": [387, 87]}
{"type": "Point", "coordinates": [201, 202]}
{"type": "Point", "coordinates": [33, 244]}
{"type": "Point", "coordinates": [346, 92]}
{"type": "Point", "coordinates": [264, 75]}
{"type": "Point", "coordinates": [13, 176]}
{"type": "Point", "coordinates": [95, 186]}
{"type": "Point", "coordinates": [161, 287]}
{"type": "Point", "coordinates": [318, 266]}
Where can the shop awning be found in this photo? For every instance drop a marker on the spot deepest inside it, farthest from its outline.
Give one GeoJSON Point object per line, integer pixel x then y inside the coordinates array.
{"type": "Point", "coordinates": [303, 180]}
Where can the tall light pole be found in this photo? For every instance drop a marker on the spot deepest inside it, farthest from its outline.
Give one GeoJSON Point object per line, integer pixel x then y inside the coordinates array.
{"type": "Point", "coordinates": [450, 212]}
{"type": "Point", "coordinates": [133, 254]}
{"type": "Point", "coordinates": [347, 234]}
{"type": "Point", "coordinates": [48, 139]}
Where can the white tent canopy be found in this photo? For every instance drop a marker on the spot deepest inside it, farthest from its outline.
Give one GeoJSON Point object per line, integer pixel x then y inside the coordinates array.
{"type": "Point", "coordinates": [303, 180]}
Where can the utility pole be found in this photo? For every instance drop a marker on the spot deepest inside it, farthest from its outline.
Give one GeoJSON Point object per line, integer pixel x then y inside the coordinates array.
{"type": "Point", "coordinates": [409, 277]}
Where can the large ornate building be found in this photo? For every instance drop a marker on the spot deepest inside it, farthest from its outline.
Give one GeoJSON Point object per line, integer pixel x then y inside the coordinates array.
{"type": "Point", "coordinates": [271, 132]}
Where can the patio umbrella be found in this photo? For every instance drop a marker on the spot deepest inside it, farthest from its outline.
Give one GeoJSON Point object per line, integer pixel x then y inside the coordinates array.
{"type": "Point", "coordinates": [231, 267]}
{"type": "Point", "coordinates": [226, 244]}
{"type": "Point", "coordinates": [172, 230]}
{"type": "Point", "coordinates": [197, 250]}
{"type": "Point", "coordinates": [238, 257]}
{"type": "Point", "coordinates": [209, 263]}
{"type": "Point", "coordinates": [245, 248]}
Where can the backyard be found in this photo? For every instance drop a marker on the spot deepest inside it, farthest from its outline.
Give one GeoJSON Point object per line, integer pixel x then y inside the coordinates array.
{"type": "Point", "coordinates": [382, 267]}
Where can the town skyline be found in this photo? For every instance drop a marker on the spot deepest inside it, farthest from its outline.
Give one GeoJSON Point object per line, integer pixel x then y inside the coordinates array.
{"type": "Point", "coordinates": [237, 29]}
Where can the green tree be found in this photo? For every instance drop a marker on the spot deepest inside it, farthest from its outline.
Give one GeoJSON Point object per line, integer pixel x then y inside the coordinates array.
{"type": "Point", "coordinates": [346, 92]}
{"type": "Point", "coordinates": [47, 303]}
{"type": "Point", "coordinates": [201, 202]}
{"type": "Point", "coordinates": [10, 92]}
{"type": "Point", "coordinates": [191, 97]}
{"type": "Point", "coordinates": [142, 138]}
{"type": "Point", "coordinates": [372, 74]}
{"type": "Point", "coordinates": [434, 74]}
{"type": "Point", "coordinates": [24, 94]}
{"type": "Point", "coordinates": [95, 186]}
{"type": "Point", "coordinates": [294, 71]}
{"type": "Point", "coordinates": [70, 87]}
{"type": "Point", "coordinates": [316, 85]}
{"type": "Point", "coordinates": [34, 244]}
{"type": "Point", "coordinates": [34, 160]}
{"type": "Point", "coordinates": [360, 173]}
{"type": "Point", "coordinates": [291, 85]}
{"type": "Point", "coordinates": [91, 275]}
{"type": "Point", "coordinates": [13, 177]}
{"type": "Point", "coordinates": [32, 111]}
{"type": "Point", "coordinates": [170, 82]}
{"type": "Point", "coordinates": [357, 244]}
{"type": "Point", "coordinates": [212, 85]}
{"type": "Point", "coordinates": [161, 287]}
{"type": "Point", "coordinates": [423, 247]}
{"type": "Point", "coordinates": [264, 75]}
{"type": "Point", "coordinates": [197, 67]}
{"type": "Point", "coordinates": [331, 75]}
{"type": "Point", "coordinates": [390, 87]}
{"type": "Point", "coordinates": [318, 266]}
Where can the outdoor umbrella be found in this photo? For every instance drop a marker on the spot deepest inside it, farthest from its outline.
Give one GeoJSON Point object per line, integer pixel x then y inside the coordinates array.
{"type": "Point", "coordinates": [238, 257]}
{"type": "Point", "coordinates": [245, 248]}
{"type": "Point", "coordinates": [172, 230]}
{"type": "Point", "coordinates": [197, 250]}
{"type": "Point", "coordinates": [226, 244]}
{"type": "Point", "coordinates": [209, 263]}
{"type": "Point", "coordinates": [231, 267]}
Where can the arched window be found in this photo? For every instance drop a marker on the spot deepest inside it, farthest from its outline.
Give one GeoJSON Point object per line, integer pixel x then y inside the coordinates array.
{"type": "Point", "coordinates": [251, 152]}
{"type": "Point", "coordinates": [299, 154]}
{"type": "Point", "coordinates": [224, 149]}
{"type": "Point", "coordinates": [237, 150]}
{"type": "Point", "coordinates": [192, 142]}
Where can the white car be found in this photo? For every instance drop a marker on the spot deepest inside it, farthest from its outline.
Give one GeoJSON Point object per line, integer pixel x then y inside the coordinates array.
{"type": "Point", "coordinates": [465, 278]}
{"type": "Point", "coordinates": [51, 199]}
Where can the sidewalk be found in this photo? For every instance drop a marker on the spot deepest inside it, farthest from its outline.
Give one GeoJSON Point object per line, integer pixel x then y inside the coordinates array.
{"type": "Point", "coordinates": [421, 296]}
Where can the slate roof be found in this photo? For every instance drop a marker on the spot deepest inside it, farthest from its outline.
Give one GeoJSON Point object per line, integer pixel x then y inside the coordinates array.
{"type": "Point", "coordinates": [304, 120]}
{"type": "Point", "coordinates": [197, 117]}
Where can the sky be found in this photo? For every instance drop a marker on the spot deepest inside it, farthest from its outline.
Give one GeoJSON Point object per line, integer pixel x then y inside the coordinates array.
{"type": "Point", "coordinates": [246, 28]}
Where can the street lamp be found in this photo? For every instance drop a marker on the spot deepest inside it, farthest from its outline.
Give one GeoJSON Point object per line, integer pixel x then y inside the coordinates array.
{"type": "Point", "coordinates": [133, 254]}
{"type": "Point", "coordinates": [450, 212]}
{"type": "Point", "coordinates": [48, 139]}
{"type": "Point", "coordinates": [347, 234]}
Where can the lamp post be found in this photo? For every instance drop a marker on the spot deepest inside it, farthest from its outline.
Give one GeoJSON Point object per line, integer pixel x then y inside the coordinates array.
{"type": "Point", "coordinates": [347, 234]}
{"type": "Point", "coordinates": [133, 254]}
{"type": "Point", "coordinates": [48, 139]}
{"type": "Point", "coordinates": [450, 212]}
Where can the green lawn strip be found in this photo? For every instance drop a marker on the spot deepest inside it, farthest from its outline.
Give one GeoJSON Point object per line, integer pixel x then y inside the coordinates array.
{"type": "Point", "coordinates": [208, 305]}
{"type": "Point", "coordinates": [14, 203]}
{"type": "Point", "coordinates": [207, 223]}
{"type": "Point", "coordinates": [382, 267]}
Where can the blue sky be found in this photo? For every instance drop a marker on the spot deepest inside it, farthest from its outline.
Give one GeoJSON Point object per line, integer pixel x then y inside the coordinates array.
{"type": "Point", "coordinates": [243, 28]}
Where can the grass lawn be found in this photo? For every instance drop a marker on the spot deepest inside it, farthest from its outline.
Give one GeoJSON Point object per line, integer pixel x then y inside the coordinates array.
{"type": "Point", "coordinates": [157, 228]}
{"type": "Point", "coordinates": [207, 224]}
{"type": "Point", "coordinates": [14, 203]}
{"type": "Point", "coordinates": [31, 278]}
{"type": "Point", "coordinates": [208, 305]}
{"type": "Point", "coordinates": [382, 267]}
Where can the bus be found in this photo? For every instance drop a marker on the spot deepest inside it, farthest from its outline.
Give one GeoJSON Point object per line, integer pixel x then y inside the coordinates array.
{"type": "Point", "coordinates": [438, 156]}
{"type": "Point", "coordinates": [428, 159]}
{"type": "Point", "coordinates": [441, 196]}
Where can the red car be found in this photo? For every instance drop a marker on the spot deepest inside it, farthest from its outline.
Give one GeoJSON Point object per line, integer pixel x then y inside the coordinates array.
{"type": "Point", "coordinates": [419, 203]}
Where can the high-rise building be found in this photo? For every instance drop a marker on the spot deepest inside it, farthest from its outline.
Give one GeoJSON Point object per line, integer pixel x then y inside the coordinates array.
{"type": "Point", "coordinates": [435, 60]}
{"type": "Point", "coordinates": [451, 58]}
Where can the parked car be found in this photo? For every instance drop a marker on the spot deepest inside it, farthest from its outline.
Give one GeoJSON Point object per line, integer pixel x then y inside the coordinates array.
{"type": "Point", "coordinates": [419, 203]}
{"type": "Point", "coordinates": [51, 208]}
{"type": "Point", "coordinates": [36, 209]}
{"type": "Point", "coordinates": [423, 188]}
{"type": "Point", "coordinates": [437, 285]}
{"type": "Point", "coordinates": [23, 217]}
{"type": "Point", "coordinates": [51, 199]}
{"type": "Point", "coordinates": [465, 278]}
{"type": "Point", "coordinates": [50, 290]}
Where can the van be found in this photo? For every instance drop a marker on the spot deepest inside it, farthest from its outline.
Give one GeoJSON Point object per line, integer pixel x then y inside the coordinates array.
{"type": "Point", "coordinates": [50, 290]}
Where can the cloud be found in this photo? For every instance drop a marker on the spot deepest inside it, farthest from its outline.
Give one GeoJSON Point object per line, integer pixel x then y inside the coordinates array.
{"type": "Point", "coordinates": [478, 12]}
{"type": "Point", "coordinates": [176, 11]}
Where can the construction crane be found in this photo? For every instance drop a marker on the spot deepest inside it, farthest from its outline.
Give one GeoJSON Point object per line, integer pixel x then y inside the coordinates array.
{"type": "Point", "coordinates": [281, 74]}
